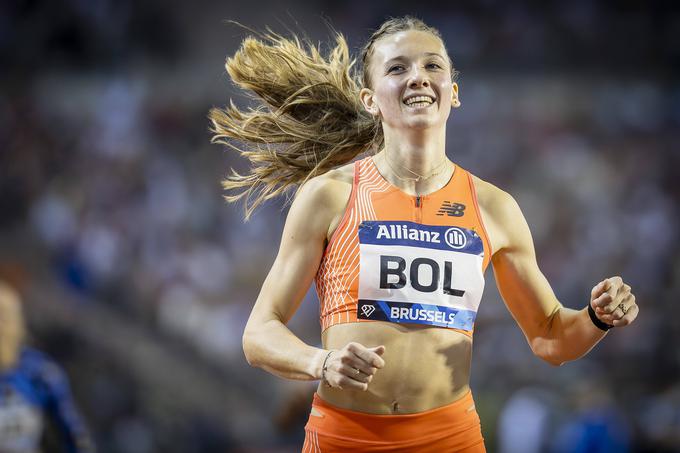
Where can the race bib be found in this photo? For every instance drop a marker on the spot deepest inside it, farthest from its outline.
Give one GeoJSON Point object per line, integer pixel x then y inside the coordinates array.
{"type": "Point", "coordinates": [423, 274]}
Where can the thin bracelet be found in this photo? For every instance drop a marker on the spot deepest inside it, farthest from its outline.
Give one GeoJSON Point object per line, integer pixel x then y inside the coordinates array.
{"type": "Point", "coordinates": [599, 324]}
{"type": "Point", "coordinates": [324, 368]}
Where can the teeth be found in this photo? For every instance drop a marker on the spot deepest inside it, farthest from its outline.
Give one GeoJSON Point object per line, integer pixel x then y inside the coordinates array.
{"type": "Point", "coordinates": [426, 100]}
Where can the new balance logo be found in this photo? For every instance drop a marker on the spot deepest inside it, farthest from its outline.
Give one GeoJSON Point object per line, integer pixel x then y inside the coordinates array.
{"type": "Point", "coordinates": [452, 209]}
{"type": "Point", "coordinates": [367, 310]}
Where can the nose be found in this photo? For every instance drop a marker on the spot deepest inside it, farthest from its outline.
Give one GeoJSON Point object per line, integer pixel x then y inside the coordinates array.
{"type": "Point", "coordinates": [418, 78]}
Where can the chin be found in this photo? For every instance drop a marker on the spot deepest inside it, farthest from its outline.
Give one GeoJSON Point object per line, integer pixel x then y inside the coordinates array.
{"type": "Point", "coordinates": [422, 124]}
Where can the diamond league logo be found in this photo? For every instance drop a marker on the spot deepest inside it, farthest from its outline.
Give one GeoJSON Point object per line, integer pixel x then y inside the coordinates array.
{"type": "Point", "coordinates": [367, 310]}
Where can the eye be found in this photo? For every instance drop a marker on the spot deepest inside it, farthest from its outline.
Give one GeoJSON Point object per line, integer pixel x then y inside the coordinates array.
{"type": "Point", "coordinates": [396, 67]}
{"type": "Point", "coordinates": [433, 65]}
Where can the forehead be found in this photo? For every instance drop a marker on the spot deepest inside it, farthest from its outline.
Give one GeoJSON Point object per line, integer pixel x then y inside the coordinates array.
{"type": "Point", "coordinates": [407, 44]}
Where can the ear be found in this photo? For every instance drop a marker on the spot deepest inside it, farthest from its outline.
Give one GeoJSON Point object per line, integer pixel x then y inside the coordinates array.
{"type": "Point", "coordinates": [367, 98]}
{"type": "Point", "coordinates": [455, 102]}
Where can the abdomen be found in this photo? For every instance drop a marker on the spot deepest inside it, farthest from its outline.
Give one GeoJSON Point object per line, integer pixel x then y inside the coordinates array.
{"type": "Point", "coordinates": [425, 367]}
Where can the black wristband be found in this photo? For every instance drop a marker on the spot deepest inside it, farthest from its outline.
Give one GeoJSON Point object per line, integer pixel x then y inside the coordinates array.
{"type": "Point", "coordinates": [599, 324]}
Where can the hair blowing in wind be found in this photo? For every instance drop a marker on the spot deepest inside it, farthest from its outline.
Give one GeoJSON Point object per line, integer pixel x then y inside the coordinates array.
{"type": "Point", "coordinates": [308, 120]}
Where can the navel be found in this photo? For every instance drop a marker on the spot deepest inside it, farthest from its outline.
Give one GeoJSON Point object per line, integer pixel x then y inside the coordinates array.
{"type": "Point", "coordinates": [395, 406]}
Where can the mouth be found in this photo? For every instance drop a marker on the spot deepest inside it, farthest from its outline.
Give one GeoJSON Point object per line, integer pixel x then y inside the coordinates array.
{"type": "Point", "coordinates": [420, 101]}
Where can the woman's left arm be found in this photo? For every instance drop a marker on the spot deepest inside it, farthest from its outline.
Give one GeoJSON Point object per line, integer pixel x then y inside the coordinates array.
{"type": "Point", "coordinates": [555, 333]}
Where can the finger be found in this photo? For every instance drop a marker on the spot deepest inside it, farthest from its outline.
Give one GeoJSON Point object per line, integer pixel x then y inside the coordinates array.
{"type": "Point", "coordinates": [616, 312]}
{"type": "Point", "coordinates": [609, 319]}
{"type": "Point", "coordinates": [347, 383]}
{"type": "Point", "coordinates": [367, 355]}
{"type": "Point", "coordinates": [598, 289]}
{"type": "Point", "coordinates": [354, 373]}
{"type": "Point", "coordinates": [617, 296]}
{"type": "Point", "coordinates": [628, 318]}
{"type": "Point", "coordinates": [615, 282]}
{"type": "Point", "coordinates": [616, 286]}
{"type": "Point", "coordinates": [603, 300]}
{"type": "Point", "coordinates": [358, 363]}
{"type": "Point", "coordinates": [625, 297]}
{"type": "Point", "coordinates": [619, 312]}
{"type": "Point", "coordinates": [368, 368]}
{"type": "Point", "coordinates": [352, 360]}
{"type": "Point", "coordinates": [361, 376]}
{"type": "Point", "coordinates": [380, 350]}
{"type": "Point", "coordinates": [624, 306]}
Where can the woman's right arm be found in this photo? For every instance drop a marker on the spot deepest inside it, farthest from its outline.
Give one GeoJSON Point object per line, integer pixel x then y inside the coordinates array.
{"type": "Point", "coordinates": [267, 342]}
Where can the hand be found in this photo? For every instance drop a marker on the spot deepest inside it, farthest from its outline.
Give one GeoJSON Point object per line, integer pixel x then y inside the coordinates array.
{"type": "Point", "coordinates": [353, 366]}
{"type": "Point", "coordinates": [613, 302]}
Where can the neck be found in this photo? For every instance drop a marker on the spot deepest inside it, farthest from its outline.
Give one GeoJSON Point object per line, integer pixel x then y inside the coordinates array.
{"type": "Point", "coordinates": [415, 160]}
{"type": "Point", "coordinates": [418, 150]}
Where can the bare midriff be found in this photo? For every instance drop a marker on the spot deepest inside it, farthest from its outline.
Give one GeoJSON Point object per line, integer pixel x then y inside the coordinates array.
{"type": "Point", "coordinates": [425, 367]}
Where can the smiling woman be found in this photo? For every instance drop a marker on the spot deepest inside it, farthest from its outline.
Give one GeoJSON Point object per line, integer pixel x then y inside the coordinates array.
{"type": "Point", "coordinates": [416, 60]}
{"type": "Point", "coordinates": [397, 242]}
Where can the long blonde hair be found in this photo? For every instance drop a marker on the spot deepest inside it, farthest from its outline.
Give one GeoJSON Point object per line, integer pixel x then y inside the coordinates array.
{"type": "Point", "coordinates": [308, 118]}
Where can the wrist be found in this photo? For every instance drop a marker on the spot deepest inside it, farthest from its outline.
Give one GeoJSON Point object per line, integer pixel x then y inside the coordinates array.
{"type": "Point", "coordinates": [324, 366]}
{"type": "Point", "coordinates": [596, 321]}
{"type": "Point", "coordinates": [316, 365]}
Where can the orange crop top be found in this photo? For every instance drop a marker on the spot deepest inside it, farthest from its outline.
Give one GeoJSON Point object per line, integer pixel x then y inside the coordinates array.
{"type": "Point", "coordinates": [401, 258]}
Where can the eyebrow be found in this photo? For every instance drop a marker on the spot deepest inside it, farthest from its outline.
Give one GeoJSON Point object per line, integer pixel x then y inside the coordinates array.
{"type": "Point", "coordinates": [427, 54]}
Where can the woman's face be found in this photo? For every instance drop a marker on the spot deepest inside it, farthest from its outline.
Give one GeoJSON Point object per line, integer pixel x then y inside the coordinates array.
{"type": "Point", "coordinates": [404, 66]}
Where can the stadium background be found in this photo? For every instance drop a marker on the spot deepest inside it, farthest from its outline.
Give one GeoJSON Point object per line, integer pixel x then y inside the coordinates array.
{"type": "Point", "coordinates": [138, 278]}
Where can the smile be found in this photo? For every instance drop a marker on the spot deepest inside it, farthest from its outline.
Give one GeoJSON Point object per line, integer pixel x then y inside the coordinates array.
{"type": "Point", "coordinates": [419, 101]}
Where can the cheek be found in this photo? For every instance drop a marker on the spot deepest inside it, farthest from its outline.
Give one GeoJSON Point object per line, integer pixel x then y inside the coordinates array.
{"type": "Point", "coordinates": [389, 95]}
{"type": "Point", "coordinates": [445, 86]}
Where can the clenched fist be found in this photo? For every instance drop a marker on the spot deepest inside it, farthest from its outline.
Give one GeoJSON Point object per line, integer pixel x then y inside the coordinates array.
{"type": "Point", "coordinates": [352, 367]}
{"type": "Point", "coordinates": [613, 302]}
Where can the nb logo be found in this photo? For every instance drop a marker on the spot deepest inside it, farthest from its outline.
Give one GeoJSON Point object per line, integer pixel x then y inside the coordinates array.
{"type": "Point", "coordinates": [367, 310]}
{"type": "Point", "coordinates": [452, 209]}
{"type": "Point", "coordinates": [455, 238]}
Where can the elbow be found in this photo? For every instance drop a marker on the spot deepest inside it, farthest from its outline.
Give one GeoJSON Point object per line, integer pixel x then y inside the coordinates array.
{"type": "Point", "coordinates": [249, 348]}
{"type": "Point", "coordinates": [554, 361]}
{"type": "Point", "coordinates": [547, 350]}
{"type": "Point", "coordinates": [256, 342]}
{"type": "Point", "coordinates": [548, 344]}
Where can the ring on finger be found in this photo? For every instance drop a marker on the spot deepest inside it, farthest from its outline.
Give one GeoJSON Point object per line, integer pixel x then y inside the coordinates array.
{"type": "Point", "coordinates": [357, 371]}
{"type": "Point", "coordinates": [623, 308]}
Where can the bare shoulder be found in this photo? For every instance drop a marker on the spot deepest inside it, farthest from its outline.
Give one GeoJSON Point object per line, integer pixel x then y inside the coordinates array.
{"type": "Point", "coordinates": [490, 196]}
{"type": "Point", "coordinates": [329, 186]}
{"type": "Point", "coordinates": [499, 211]}
{"type": "Point", "coordinates": [325, 197]}
{"type": "Point", "coordinates": [343, 175]}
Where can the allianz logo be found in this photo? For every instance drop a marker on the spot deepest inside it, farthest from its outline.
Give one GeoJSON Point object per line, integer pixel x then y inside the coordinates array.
{"type": "Point", "coordinates": [454, 237]}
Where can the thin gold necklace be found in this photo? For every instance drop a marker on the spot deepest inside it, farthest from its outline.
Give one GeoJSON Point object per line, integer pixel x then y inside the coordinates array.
{"type": "Point", "coordinates": [418, 177]}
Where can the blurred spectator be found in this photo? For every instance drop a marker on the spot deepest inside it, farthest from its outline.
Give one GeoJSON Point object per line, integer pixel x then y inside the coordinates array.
{"type": "Point", "coordinates": [33, 390]}
{"type": "Point", "coordinates": [597, 424]}
{"type": "Point", "coordinates": [524, 423]}
{"type": "Point", "coordinates": [660, 420]}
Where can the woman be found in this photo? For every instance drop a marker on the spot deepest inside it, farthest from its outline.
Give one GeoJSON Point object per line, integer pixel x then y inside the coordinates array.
{"type": "Point", "coordinates": [397, 242]}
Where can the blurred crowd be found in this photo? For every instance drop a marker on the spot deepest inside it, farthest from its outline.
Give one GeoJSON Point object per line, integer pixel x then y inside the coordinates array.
{"type": "Point", "coordinates": [138, 278]}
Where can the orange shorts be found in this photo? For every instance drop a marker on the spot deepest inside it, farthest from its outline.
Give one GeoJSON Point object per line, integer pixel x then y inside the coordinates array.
{"type": "Point", "coordinates": [451, 428]}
